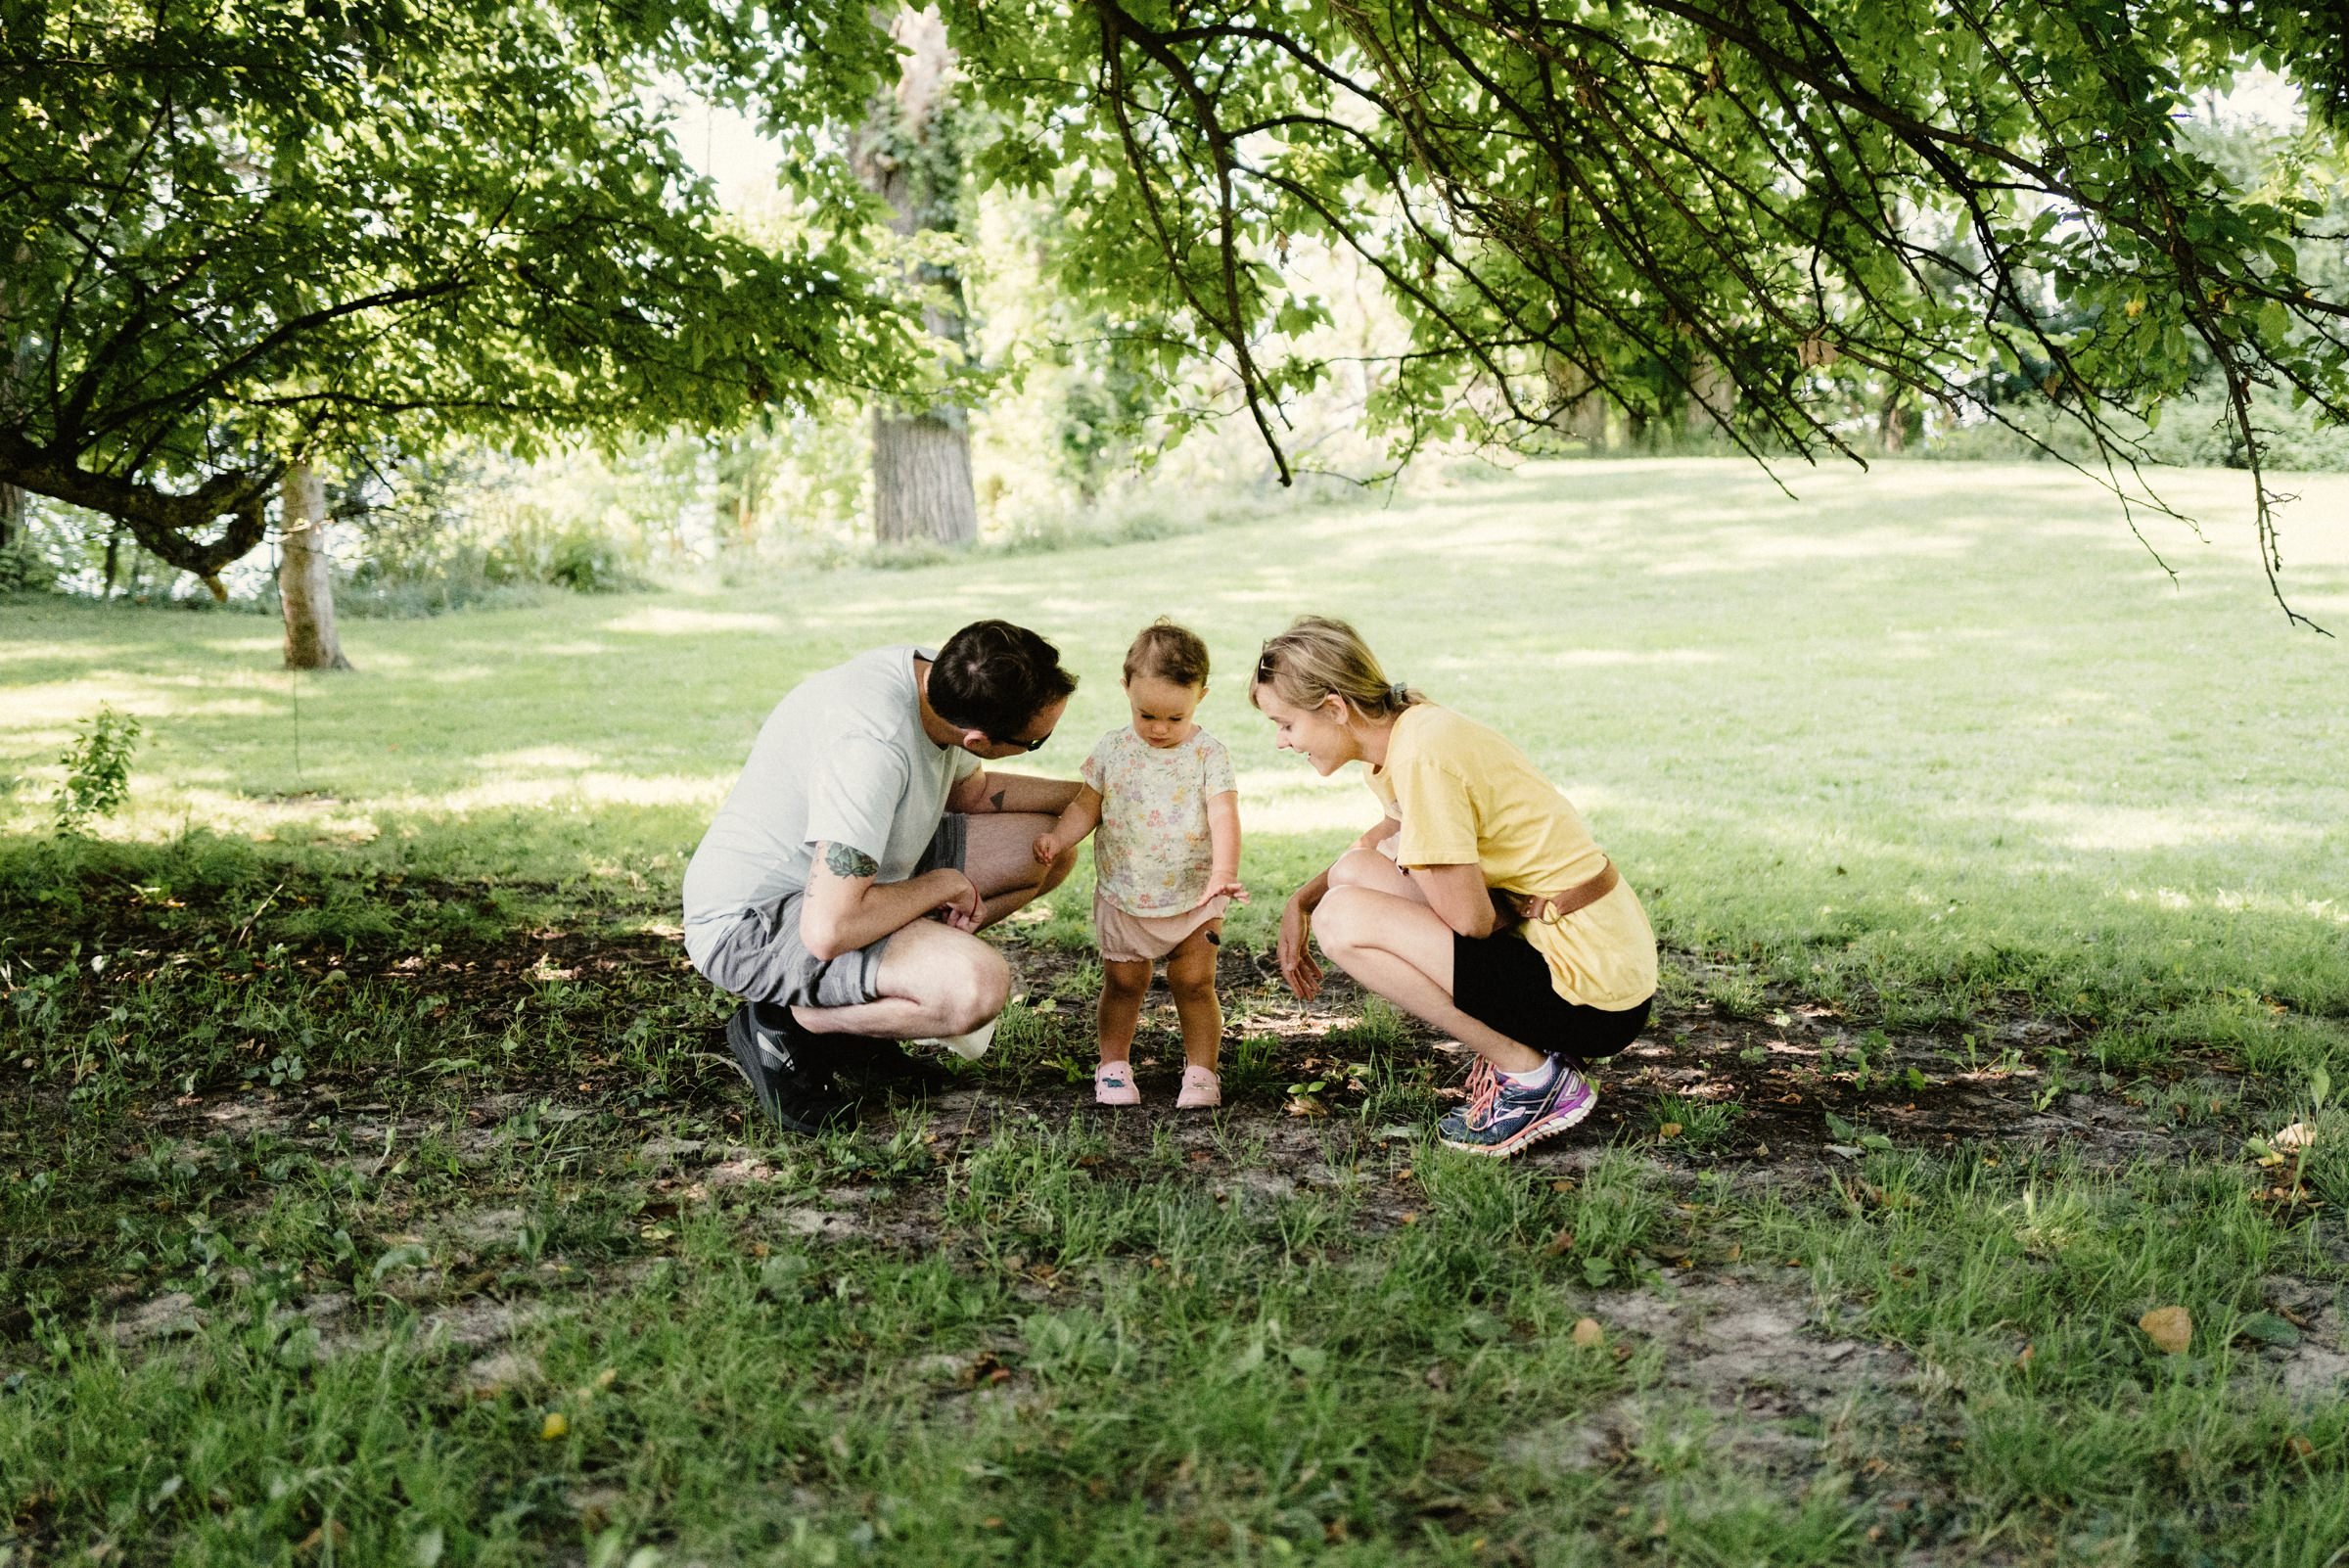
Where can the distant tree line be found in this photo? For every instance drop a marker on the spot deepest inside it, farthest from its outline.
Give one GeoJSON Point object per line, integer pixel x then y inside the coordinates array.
{"type": "Point", "coordinates": [241, 241]}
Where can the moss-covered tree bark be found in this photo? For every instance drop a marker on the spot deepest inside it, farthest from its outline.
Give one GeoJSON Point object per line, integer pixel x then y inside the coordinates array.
{"type": "Point", "coordinates": [906, 155]}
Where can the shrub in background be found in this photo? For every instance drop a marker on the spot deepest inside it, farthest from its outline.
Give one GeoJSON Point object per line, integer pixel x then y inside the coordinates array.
{"type": "Point", "coordinates": [97, 768]}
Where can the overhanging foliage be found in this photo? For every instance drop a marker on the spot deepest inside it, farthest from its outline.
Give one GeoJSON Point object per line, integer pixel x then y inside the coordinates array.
{"type": "Point", "coordinates": [240, 232]}
{"type": "Point", "coordinates": [1751, 204]}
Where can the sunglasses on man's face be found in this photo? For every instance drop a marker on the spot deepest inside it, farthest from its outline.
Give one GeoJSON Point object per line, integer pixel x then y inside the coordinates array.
{"type": "Point", "coordinates": [1025, 745]}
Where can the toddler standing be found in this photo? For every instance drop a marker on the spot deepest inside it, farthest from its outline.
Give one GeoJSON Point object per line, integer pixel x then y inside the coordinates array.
{"type": "Point", "coordinates": [1165, 865]}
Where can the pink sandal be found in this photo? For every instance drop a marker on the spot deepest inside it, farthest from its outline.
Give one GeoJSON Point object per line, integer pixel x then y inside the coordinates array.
{"type": "Point", "coordinates": [1112, 1084]}
{"type": "Point", "coordinates": [1201, 1089]}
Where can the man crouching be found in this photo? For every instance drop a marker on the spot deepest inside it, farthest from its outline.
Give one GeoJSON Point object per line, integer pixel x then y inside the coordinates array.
{"type": "Point", "coordinates": [862, 813]}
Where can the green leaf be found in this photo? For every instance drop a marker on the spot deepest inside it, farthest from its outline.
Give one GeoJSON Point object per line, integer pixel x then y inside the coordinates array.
{"type": "Point", "coordinates": [2275, 322]}
{"type": "Point", "coordinates": [2267, 1328]}
{"type": "Point", "coordinates": [407, 1256]}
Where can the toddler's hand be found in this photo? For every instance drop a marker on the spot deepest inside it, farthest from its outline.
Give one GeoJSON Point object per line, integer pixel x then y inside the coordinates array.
{"type": "Point", "coordinates": [1223, 889]}
{"type": "Point", "coordinates": [1047, 848]}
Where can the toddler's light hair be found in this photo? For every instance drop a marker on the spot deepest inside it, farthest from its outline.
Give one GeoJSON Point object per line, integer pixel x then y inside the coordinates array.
{"type": "Point", "coordinates": [1166, 651]}
{"type": "Point", "coordinates": [1321, 656]}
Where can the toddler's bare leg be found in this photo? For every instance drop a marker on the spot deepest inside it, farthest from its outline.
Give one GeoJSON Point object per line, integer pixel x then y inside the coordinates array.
{"type": "Point", "coordinates": [1191, 977]}
{"type": "Point", "coordinates": [1124, 984]}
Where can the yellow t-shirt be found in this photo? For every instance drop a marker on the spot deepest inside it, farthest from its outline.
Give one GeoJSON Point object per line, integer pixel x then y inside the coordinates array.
{"type": "Point", "coordinates": [1467, 796]}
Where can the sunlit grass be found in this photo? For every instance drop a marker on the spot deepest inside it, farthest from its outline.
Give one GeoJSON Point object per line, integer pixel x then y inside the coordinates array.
{"type": "Point", "coordinates": [1929, 743]}
{"type": "Point", "coordinates": [1928, 713]}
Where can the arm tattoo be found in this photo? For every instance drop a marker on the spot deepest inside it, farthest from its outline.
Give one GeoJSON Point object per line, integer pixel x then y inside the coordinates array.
{"type": "Point", "coordinates": [847, 860]}
{"type": "Point", "coordinates": [998, 797]}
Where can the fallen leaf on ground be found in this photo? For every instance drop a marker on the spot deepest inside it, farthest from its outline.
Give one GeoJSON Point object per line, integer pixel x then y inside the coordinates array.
{"type": "Point", "coordinates": [554, 1426]}
{"type": "Point", "coordinates": [1586, 1334]}
{"type": "Point", "coordinates": [2170, 1328]}
{"type": "Point", "coordinates": [1669, 1130]}
{"type": "Point", "coordinates": [2299, 1135]}
{"type": "Point", "coordinates": [2269, 1329]}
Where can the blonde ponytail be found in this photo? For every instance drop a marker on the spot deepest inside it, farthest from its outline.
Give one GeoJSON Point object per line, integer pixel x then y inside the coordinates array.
{"type": "Point", "coordinates": [1319, 657]}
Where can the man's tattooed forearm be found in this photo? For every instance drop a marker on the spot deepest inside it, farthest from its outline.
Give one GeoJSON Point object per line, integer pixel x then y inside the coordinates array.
{"type": "Point", "coordinates": [847, 860]}
{"type": "Point", "coordinates": [998, 797]}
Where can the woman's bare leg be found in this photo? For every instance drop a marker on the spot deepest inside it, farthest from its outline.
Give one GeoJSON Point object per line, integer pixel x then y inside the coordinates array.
{"type": "Point", "coordinates": [1401, 951]}
{"type": "Point", "coordinates": [1367, 868]}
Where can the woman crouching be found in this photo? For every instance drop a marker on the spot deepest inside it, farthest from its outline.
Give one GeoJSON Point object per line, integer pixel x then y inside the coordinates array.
{"type": "Point", "coordinates": [1479, 903]}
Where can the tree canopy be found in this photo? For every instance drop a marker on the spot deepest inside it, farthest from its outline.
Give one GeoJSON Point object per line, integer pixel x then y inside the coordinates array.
{"type": "Point", "coordinates": [240, 232]}
{"type": "Point", "coordinates": [1749, 203]}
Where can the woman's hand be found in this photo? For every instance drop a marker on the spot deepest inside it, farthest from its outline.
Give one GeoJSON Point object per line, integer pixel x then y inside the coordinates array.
{"type": "Point", "coordinates": [1297, 963]}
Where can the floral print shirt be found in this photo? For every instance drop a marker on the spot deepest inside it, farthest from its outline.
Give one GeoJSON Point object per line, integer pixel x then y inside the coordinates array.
{"type": "Point", "coordinates": [1152, 855]}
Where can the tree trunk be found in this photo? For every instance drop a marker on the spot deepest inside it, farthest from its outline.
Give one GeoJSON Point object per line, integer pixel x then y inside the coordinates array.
{"type": "Point", "coordinates": [906, 155]}
{"type": "Point", "coordinates": [1579, 409]}
{"type": "Point", "coordinates": [1897, 423]}
{"type": "Point", "coordinates": [1712, 397]}
{"type": "Point", "coordinates": [113, 557]}
{"type": "Point", "coordinates": [305, 586]}
{"type": "Point", "coordinates": [922, 478]}
{"type": "Point", "coordinates": [12, 513]}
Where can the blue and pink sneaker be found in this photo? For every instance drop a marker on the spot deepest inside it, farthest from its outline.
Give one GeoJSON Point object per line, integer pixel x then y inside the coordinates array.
{"type": "Point", "coordinates": [1502, 1117]}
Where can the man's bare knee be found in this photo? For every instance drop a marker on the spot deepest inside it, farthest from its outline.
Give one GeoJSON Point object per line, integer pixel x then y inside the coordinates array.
{"type": "Point", "coordinates": [1360, 868]}
{"type": "Point", "coordinates": [974, 987]}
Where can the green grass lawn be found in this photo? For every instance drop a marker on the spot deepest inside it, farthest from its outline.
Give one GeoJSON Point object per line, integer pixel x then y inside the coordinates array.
{"type": "Point", "coordinates": [368, 1194]}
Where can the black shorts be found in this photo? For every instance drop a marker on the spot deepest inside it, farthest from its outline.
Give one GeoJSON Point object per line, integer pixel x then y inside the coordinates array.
{"type": "Point", "coordinates": [1502, 982]}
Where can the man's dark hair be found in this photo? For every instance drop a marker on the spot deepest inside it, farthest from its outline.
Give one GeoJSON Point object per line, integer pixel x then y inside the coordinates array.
{"type": "Point", "coordinates": [995, 677]}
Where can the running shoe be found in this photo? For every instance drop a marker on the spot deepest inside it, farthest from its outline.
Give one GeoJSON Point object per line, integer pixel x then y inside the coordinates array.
{"type": "Point", "coordinates": [1502, 1117]}
{"type": "Point", "coordinates": [779, 1060]}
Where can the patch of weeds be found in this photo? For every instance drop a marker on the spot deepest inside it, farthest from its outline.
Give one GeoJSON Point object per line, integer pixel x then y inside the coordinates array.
{"type": "Point", "coordinates": [1382, 1027]}
{"type": "Point", "coordinates": [97, 768]}
{"type": "Point", "coordinates": [1026, 1034]}
{"type": "Point", "coordinates": [1609, 1219]}
{"type": "Point", "coordinates": [1252, 1066]}
{"type": "Point", "coordinates": [1735, 994]}
{"type": "Point", "coordinates": [1678, 988]}
{"type": "Point", "coordinates": [2125, 1049]}
{"type": "Point", "coordinates": [2195, 1101]}
{"type": "Point", "coordinates": [1697, 1124]}
{"type": "Point", "coordinates": [1079, 986]}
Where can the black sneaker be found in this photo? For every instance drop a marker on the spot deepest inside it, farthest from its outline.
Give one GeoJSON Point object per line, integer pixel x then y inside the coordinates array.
{"type": "Point", "coordinates": [773, 1053]}
{"type": "Point", "coordinates": [886, 1066]}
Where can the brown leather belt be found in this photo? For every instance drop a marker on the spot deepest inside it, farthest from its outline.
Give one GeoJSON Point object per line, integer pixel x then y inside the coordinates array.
{"type": "Point", "coordinates": [1550, 909]}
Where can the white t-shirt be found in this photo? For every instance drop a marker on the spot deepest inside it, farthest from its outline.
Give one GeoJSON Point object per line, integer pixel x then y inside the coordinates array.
{"type": "Point", "coordinates": [841, 759]}
{"type": "Point", "coordinates": [1152, 854]}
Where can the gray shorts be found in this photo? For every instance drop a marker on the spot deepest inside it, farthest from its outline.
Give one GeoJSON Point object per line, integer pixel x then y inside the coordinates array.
{"type": "Point", "coordinates": [759, 958]}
